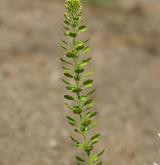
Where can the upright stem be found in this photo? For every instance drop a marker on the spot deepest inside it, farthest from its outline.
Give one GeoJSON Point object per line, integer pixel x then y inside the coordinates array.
{"type": "Point", "coordinates": [80, 88]}
{"type": "Point", "coordinates": [77, 81]}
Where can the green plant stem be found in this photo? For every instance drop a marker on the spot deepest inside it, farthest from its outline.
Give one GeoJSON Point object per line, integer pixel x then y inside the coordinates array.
{"type": "Point", "coordinates": [84, 134]}
{"type": "Point", "coordinates": [80, 88]}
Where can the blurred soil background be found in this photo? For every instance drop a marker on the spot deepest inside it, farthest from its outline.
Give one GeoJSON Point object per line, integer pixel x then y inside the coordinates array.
{"type": "Point", "coordinates": [125, 39]}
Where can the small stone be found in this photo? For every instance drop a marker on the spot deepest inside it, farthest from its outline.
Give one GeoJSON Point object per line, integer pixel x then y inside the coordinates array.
{"type": "Point", "coordinates": [154, 163]}
{"type": "Point", "coordinates": [53, 143]}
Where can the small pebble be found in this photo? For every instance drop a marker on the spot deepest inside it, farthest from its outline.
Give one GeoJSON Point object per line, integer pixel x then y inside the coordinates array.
{"type": "Point", "coordinates": [53, 143]}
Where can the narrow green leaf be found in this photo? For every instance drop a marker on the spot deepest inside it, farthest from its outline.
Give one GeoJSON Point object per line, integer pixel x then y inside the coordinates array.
{"type": "Point", "coordinates": [94, 158]}
{"type": "Point", "coordinates": [91, 92]}
{"type": "Point", "coordinates": [70, 118]}
{"type": "Point", "coordinates": [77, 90]}
{"type": "Point", "coordinates": [76, 19]}
{"type": "Point", "coordinates": [77, 111]}
{"type": "Point", "coordinates": [89, 106]}
{"type": "Point", "coordinates": [87, 102]}
{"type": "Point", "coordinates": [77, 77]}
{"type": "Point", "coordinates": [81, 146]}
{"type": "Point", "coordinates": [70, 55]}
{"type": "Point", "coordinates": [82, 28]}
{"type": "Point", "coordinates": [69, 106]}
{"type": "Point", "coordinates": [87, 122]}
{"type": "Point", "coordinates": [66, 62]}
{"type": "Point", "coordinates": [68, 74]}
{"type": "Point", "coordinates": [84, 128]}
{"type": "Point", "coordinates": [87, 82]}
{"type": "Point", "coordinates": [65, 68]}
{"type": "Point", "coordinates": [91, 114]}
{"type": "Point", "coordinates": [79, 70]}
{"type": "Point", "coordinates": [86, 50]}
{"type": "Point", "coordinates": [66, 33]}
{"type": "Point", "coordinates": [68, 97]}
{"type": "Point", "coordinates": [72, 34]}
{"type": "Point", "coordinates": [95, 136]}
{"type": "Point", "coordinates": [72, 123]}
{"type": "Point", "coordinates": [80, 13]}
{"type": "Point", "coordinates": [95, 141]}
{"type": "Point", "coordinates": [70, 87]}
{"type": "Point", "coordinates": [89, 74]}
{"type": "Point", "coordinates": [64, 42]}
{"type": "Point", "coordinates": [80, 159]}
{"type": "Point", "coordinates": [80, 46]}
{"type": "Point", "coordinates": [83, 98]}
{"type": "Point", "coordinates": [73, 139]}
{"type": "Point", "coordinates": [89, 85]}
{"type": "Point", "coordinates": [88, 59]}
{"type": "Point", "coordinates": [66, 82]}
{"type": "Point", "coordinates": [76, 130]}
{"type": "Point", "coordinates": [84, 62]}
{"type": "Point", "coordinates": [63, 47]}
{"type": "Point", "coordinates": [65, 27]}
{"type": "Point", "coordinates": [85, 41]}
{"type": "Point", "coordinates": [89, 148]}
{"type": "Point", "coordinates": [66, 22]}
{"type": "Point", "coordinates": [101, 153]}
{"type": "Point", "coordinates": [66, 17]}
{"type": "Point", "coordinates": [94, 124]}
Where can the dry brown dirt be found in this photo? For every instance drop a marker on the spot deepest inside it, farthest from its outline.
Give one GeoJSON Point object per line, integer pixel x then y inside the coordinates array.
{"type": "Point", "coordinates": [125, 41]}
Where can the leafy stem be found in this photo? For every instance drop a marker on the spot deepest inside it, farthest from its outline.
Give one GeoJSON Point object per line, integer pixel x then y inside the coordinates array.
{"type": "Point", "coordinates": [79, 88]}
